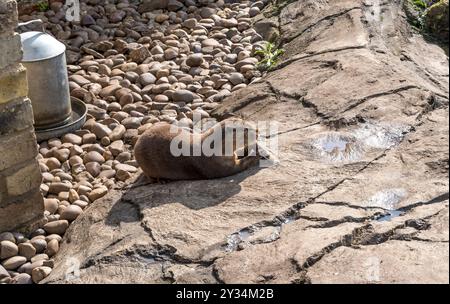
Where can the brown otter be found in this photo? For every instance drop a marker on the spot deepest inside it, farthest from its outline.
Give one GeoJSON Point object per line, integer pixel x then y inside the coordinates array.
{"type": "Point", "coordinates": [157, 151]}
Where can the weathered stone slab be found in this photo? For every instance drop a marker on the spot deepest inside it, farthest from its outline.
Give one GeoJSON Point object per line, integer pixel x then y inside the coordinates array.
{"type": "Point", "coordinates": [362, 172]}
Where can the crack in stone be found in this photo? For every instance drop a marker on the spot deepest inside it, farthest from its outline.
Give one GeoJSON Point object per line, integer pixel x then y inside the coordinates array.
{"type": "Point", "coordinates": [363, 236]}
{"type": "Point", "coordinates": [345, 204]}
{"type": "Point", "coordinates": [379, 94]}
{"type": "Point", "coordinates": [216, 276]}
{"type": "Point", "coordinates": [275, 92]}
{"type": "Point", "coordinates": [413, 238]}
{"type": "Point", "coordinates": [293, 212]}
{"type": "Point", "coordinates": [267, 104]}
{"type": "Point", "coordinates": [293, 130]}
{"type": "Point", "coordinates": [280, 31]}
{"type": "Point", "coordinates": [313, 218]}
{"type": "Point", "coordinates": [309, 55]}
{"type": "Point", "coordinates": [438, 199]}
{"type": "Point", "coordinates": [231, 112]}
{"type": "Point", "coordinates": [423, 70]}
{"type": "Point", "coordinates": [331, 188]}
{"type": "Point", "coordinates": [345, 219]}
{"type": "Point", "coordinates": [158, 255]}
{"type": "Point", "coordinates": [297, 97]}
{"type": "Point", "coordinates": [348, 240]}
{"type": "Point", "coordinates": [92, 261]}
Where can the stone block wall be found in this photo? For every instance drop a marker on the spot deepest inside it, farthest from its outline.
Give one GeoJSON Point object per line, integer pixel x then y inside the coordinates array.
{"type": "Point", "coordinates": [21, 203]}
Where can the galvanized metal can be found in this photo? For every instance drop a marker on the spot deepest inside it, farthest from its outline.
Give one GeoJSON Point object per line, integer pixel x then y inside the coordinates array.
{"type": "Point", "coordinates": [44, 58]}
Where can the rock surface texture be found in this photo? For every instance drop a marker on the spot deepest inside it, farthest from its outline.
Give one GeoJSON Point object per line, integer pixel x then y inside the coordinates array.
{"type": "Point", "coordinates": [360, 193]}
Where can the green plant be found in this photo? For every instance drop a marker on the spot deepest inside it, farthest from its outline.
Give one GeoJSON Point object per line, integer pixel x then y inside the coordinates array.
{"type": "Point", "coordinates": [43, 6]}
{"type": "Point", "coordinates": [417, 19]}
{"type": "Point", "coordinates": [270, 55]}
{"type": "Point", "coordinates": [421, 4]}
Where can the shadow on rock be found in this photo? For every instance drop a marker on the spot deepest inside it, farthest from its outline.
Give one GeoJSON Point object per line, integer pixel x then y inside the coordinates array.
{"type": "Point", "coordinates": [143, 194]}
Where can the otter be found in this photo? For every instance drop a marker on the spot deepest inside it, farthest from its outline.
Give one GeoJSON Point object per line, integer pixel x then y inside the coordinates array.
{"type": "Point", "coordinates": [154, 151]}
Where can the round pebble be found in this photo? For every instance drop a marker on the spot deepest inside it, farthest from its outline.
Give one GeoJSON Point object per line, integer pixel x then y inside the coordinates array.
{"type": "Point", "coordinates": [57, 227]}
{"type": "Point", "coordinates": [71, 213]}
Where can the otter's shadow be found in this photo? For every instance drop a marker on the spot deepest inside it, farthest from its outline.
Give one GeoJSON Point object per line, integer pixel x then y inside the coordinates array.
{"type": "Point", "coordinates": [194, 194]}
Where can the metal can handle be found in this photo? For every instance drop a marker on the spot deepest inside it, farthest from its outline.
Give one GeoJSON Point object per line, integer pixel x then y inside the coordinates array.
{"type": "Point", "coordinates": [35, 21]}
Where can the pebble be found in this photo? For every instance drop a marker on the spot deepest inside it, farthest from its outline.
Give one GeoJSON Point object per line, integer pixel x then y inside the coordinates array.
{"type": "Point", "coordinates": [62, 154]}
{"type": "Point", "coordinates": [29, 266]}
{"type": "Point", "coordinates": [161, 18]}
{"type": "Point", "coordinates": [97, 193]}
{"type": "Point", "coordinates": [22, 279]}
{"type": "Point", "coordinates": [210, 43]}
{"type": "Point", "coordinates": [194, 60]}
{"type": "Point", "coordinates": [39, 244]}
{"type": "Point", "coordinates": [50, 237]}
{"type": "Point", "coordinates": [72, 138]}
{"type": "Point", "coordinates": [236, 78]}
{"type": "Point", "coordinates": [123, 175]}
{"type": "Point", "coordinates": [39, 257]}
{"type": "Point", "coordinates": [8, 249]}
{"type": "Point", "coordinates": [87, 20]}
{"type": "Point", "coordinates": [73, 196]}
{"type": "Point", "coordinates": [116, 147]}
{"type": "Point", "coordinates": [84, 204]}
{"type": "Point", "coordinates": [93, 156]}
{"type": "Point", "coordinates": [51, 205]}
{"type": "Point", "coordinates": [89, 138]}
{"type": "Point", "coordinates": [27, 250]}
{"type": "Point", "coordinates": [126, 167]}
{"type": "Point", "coordinates": [14, 262]}
{"type": "Point", "coordinates": [100, 130]}
{"type": "Point", "coordinates": [57, 187]}
{"type": "Point", "coordinates": [183, 96]}
{"type": "Point", "coordinates": [3, 273]}
{"type": "Point", "coordinates": [20, 238]}
{"type": "Point", "coordinates": [123, 157]}
{"type": "Point", "coordinates": [40, 273]}
{"type": "Point", "coordinates": [53, 163]}
{"type": "Point", "coordinates": [52, 247]}
{"type": "Point", "coordinates": [49, 263]}
{"type": "Point", "coordinates": [170, 54]}
{"type": "Point", "coordinates": [190, 23]}
{"type": "Point", "coordinates": [7, 236]}
{"type": "Point", "coordinates": [94, 168]}
{"type": "Point", "coordinates": [57, 227]}
{"type": "Point", "coordinates": [38, 232]}
{"type": "Point", "coordinates": [71, 213]}
{"type": "Point", "coordinates": [146, 79]}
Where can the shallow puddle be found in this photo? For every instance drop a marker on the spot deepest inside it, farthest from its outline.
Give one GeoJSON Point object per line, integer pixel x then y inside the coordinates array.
{"type": "Point", "coordinates": [259, 235]}
{"type": "Point", "coordinates": [380, 136]}
{"type": "Point", "coordinates": [392, 214]}
{"type": "Point", "coordinates": [235, 239]}
{"type": "Point", "coordinates": [339, 143]}
{"type": "Point", "coordinates": [387, 199]}
{"type": "Point", "coordinates": [337, 147]}
{"type": "Point", "coordinates": [350, 146]}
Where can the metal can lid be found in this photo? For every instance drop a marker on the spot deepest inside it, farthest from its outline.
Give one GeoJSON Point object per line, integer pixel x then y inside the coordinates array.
{"type": "Point", "coordinates": [40, 46]}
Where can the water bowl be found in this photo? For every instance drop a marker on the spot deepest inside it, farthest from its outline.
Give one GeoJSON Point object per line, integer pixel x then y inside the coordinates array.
{"type": "Point", "coordinates": [75, 121]}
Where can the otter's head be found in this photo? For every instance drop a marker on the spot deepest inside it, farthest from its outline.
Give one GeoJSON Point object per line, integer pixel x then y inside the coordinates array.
{"type": "Point", "coordinates": [242, 135]}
